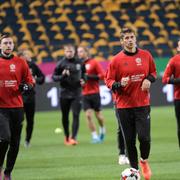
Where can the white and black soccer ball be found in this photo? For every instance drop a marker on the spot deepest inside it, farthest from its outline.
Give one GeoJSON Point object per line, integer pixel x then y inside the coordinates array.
{"type": "Point", "coordinates": [130, 174]}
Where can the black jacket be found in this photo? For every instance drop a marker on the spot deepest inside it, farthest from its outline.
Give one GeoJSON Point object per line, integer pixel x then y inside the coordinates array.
{"type": "Point", "coordinates": [70, 85]}
{"type": "Point", "coordinates": [39, 77]}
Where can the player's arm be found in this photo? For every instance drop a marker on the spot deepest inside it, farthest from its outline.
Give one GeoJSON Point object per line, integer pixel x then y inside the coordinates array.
{"type": "Point", "coordinates": [110, 78]}
{"type": "Point", "coordinates": [168, 76]}
{"type": "Point", "coordinates": [58, 73]}
{"type": "Point", "coordinates": [39, 76]}
{"type": "Point", "coordinates": [151, 77]}
{"type": "Point", "coordinates": [27, 83]}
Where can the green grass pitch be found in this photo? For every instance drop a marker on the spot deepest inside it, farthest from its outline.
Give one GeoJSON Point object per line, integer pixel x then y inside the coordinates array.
{"type": "Point", "coordinates": [49, 159]}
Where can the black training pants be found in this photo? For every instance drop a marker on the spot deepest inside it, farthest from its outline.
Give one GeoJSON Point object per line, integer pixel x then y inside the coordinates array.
{"type": "Point", "coordinates": [177, 112]}
{"type": "Point", "coordinates": [29, 109]}
{"type": "Point", "coordinates": [10, 133]}
{"type": "Point", "coordinates": [75, 104]}
{"type": "Point", "coordinates": [135, 121]}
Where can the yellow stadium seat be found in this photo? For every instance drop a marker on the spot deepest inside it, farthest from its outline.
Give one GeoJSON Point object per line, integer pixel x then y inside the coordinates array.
{"type": "Point", "coordinates": [84, 43]}
{"type": "Point", "coordinates": [155, 7]}
{"type": "Point", "coordinates": [95, 18]}
{"type": "Point", "coordinates": [154, 16]}
{"type": "Point", "coordinates": [97, 9]}
{"type": "Point", "coordinates": [93, 51]}
{"type": "Point", "coordinates": [48, 3]}
{"type": "Point", "coordinates": [104, 35]}
{"type": "Point", "coordinates": [5, 5]}
{"type": "Point", "coordinates": [78, 2]}
{"type": "Point", "coordinates": [75, 37]}
{"type": "Point", "coordinates": [44, 37]}
{"type": "Point", "coordinates": [171, 15]}
{"type": "Point", "coordinates": [47, 12]}
{"type": "Point", "coordinates": [172, 23]}
{"type": "Point", "coordinates": [124, 17]}
{"type": "Point", "coordinates": [40, 28]}
{"type": "Point", "coordinates": [100, 42]}
{"type": "Point", "coordinates": [58, 53]}
{"type": "Point", "coordinates": [100, 26]}
{"type": "Point", "coordinates": [110, 6]}
{"type": "Point", "coordinates": [148, 33]}
{"type": "Point", "coordinates": [33, 12]}
{"type": "Point", "coordinates": [35, 3]}
{"type": "Point", "coordinates": [164, 33]}
{"type": "Point", "coordinates": [160, 40]}
{"type": "Point", "coordinates": [158, 24]}
{"type": "Point", "coordinates": [142, 7]}
{"type": "Point", "coordinates": [59, 36]}
{"type": "Point", "coordinates": [92, 2]}
{"type": "Point", "coordinates": [141, 23]}
{"type": "Point", "coordinates": [55, 27]}
{"type": "Point", "coordinates": [59, 10]}
{"type": "Point", "coordinates": [85, 26]}
{"type": "Point", "coordinates": [8, 30]}
{"type": "Point", "coordinates": [2, 13]}
{"type": "Point", "coordinates": [175, 32]}
{"type": "Point", "coordinates": [24, 45]}
{"type": "Point", "coordinates": [88, 35]}
{"type": "Point", "coordinates": [170, 6]}
{"type": "Point", "coordinates": [52, 20]}
{"type": "Point", "coordinates": [42, 54]}
{"type": "Point", "coordinates": [80, 18]}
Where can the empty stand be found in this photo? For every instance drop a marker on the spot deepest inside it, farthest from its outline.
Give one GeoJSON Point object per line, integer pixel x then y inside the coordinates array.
{"type": "Point", "coordinates": [44, 26]}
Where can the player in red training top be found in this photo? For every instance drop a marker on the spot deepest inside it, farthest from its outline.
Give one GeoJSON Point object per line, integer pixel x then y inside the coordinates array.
{"type": "Point", "coordinates": [130, 74]}
{"type": "Point", "coordinates": [172, 76]}
{"type": "Point", "coordinates": [91, 95]}
{"type": "Point", "coordinates": [15, 77]}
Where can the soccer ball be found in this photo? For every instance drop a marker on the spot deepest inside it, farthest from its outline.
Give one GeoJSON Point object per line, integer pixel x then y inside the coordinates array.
{"type": "Point", "coordinates": [130, 174]}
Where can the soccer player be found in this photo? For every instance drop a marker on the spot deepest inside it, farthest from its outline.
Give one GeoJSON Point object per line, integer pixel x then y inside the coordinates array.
{"type": "Point", "coordinates": [172, 76]}
{"type": "Point", "coordinates": [130, 74]}
{"type": "Point", "coordinates": [91, 95]}
{"type": "Point", "coordinates": [68, 72]}
{"type": "Point", "coordinates": [14, 78]}
{"type": "Point", "coordinates": [29, 98]}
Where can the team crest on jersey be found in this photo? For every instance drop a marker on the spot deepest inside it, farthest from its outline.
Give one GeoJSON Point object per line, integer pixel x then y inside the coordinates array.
{"type": "Point", "coordinates": [78, 66]}
{"type": "Point", "coordinates": [138, 61]}
{"type": "Point", "coordinates": [12, 68]}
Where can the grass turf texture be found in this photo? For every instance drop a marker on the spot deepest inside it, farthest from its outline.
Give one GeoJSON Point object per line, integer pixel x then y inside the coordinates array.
{"type": "Point", "coordinates": [49, 159]}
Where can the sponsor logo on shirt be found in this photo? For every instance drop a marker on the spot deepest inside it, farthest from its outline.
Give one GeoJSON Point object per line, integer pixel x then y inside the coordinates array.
{"type": "Point", "coordinates": [137, 77]}
{"type": "Point", "coordinates": [10, 83]}
{"type": "Point", "coordinates": [12, 68]}
{"type": "Point", "coordinates": [138, 61]}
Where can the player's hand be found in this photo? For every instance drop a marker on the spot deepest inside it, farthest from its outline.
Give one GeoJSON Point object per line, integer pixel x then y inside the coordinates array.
{"type": "Point", "coordinates": [146, 84]}
{"type": "Point", "coordinates": [23, 87]}
{"type": "Point", "coordinates": [66, 72]}
{"type": "Point", "coordinates": [124, 81]}
{"type": "Point", "coordinates": [82, 82]}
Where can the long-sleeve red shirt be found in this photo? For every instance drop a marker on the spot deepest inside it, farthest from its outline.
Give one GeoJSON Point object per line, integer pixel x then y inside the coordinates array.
{"type": "Point", "coordinates": [92, 85]}
{"type": "Point", "coordinates": [13, 71]}
{"type": "Point", "coordinates": [137, 67]}
{"type": "Point", "coordinates": [173, 68]}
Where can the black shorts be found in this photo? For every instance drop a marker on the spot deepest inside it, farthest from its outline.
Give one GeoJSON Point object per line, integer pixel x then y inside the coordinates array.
{"type": "Point", "coordinates": [10, 122]}
{"type": "Point", "coordinates": [92, 101]}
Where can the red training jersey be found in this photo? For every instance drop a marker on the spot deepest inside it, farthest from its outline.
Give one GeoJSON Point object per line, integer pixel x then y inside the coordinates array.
{"type": "Point", "coordinates": [137, 67]}
{"type": "Point", "coordinates": [173, 68]}
{"type": "Point", "coordinates": [92, 85]}
{"type": "Point", "coordinates": [13, 71]}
